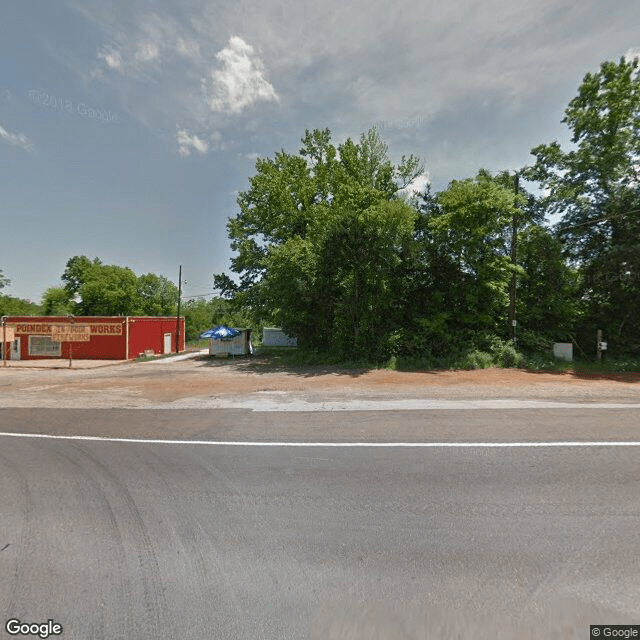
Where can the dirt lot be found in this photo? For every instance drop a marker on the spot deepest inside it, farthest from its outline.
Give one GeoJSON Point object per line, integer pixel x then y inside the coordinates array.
{"type": "Point", "coordinates": [139, 384]}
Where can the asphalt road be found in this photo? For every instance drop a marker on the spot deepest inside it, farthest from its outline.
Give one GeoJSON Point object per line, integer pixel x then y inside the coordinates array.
{"type": "Point", "coordinates": [131, 540]}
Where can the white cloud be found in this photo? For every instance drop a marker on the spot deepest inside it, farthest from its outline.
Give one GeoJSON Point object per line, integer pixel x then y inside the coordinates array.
{"type": "Point", "coordinates": [340, 65]}
{"type": "Point", "coordinates": [632, 54]}
{"type": "Point", "coordinates": [188, 48]}
{"type": "Point", "coordinates": [147, 52]}
{"type": "Point", "coordinates": [16, 139]}
{"type": "Point", "coordinates": [416, 186]}
{"type": "Point", "coordinates": [111, 58]}
{"type": "Point", "coordinates": [188, 142]}
{"type": "Point", "coordinates": [239, 82]}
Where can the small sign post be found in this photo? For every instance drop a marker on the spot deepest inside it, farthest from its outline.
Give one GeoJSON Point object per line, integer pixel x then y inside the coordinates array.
{"type": "Point", "coordinates": [8, 335]}
{"type": "Point", "coordinates": [70, 333]}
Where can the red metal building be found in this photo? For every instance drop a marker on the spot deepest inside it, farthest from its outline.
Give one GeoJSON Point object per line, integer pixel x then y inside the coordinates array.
{"type": "Point", "coordinates": [110, 337]}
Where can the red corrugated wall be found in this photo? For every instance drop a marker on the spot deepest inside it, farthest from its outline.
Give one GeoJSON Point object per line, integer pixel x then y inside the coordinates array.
{"type": "Point", "coordinates": [148, 333]}
{"type": "Point", "coordinates": [108, 339]}
{"type": "Point", "coordinates": [107, 346]}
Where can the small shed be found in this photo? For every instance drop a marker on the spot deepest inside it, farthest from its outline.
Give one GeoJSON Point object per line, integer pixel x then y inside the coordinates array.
{"type": "Point", "coordinates": [276, 337]}
{"type": "Point", "coordinates": [230, 341]}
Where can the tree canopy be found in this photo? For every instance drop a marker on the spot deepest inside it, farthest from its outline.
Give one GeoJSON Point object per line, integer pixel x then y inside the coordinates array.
{"type": "Point", "coordinates": [291, 193]}
{"type": "Point", "coordinates": [595, 187]}
{"type": "Point", "coordinates": [93, 288]}
{"type": "Point", "coordinates": [318, 238]}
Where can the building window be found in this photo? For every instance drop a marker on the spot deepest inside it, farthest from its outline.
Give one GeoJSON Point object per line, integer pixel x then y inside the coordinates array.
{"type": "Point", "coordinates": [43, 346]}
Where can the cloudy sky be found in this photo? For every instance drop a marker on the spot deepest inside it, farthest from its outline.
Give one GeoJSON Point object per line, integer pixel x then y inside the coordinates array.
{"type": "Point", "coordinates": [127, 128]}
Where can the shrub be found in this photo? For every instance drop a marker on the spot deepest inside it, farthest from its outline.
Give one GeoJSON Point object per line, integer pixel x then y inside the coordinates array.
{"type": "Point", "coordinates": [477, 360]}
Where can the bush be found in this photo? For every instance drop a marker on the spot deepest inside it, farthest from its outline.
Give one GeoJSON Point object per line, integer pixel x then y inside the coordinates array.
{"type": "Point", "coordinates": [504, 353]}
{"type": "Point", "coordinates": [477, 360]}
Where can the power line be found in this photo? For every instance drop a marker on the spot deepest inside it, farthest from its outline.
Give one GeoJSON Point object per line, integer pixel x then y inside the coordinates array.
{"type": "Point", "coordinates": [199, 295]}
{"type": "Point", "coordinates": [195, 295]}
{"type": "Point", "coordinates": [582, 224]}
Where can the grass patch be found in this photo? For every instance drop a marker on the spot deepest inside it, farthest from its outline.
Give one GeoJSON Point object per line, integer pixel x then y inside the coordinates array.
{"type": "Point", "coordinates": [501, 355]}
{"type": "Point", "coordinates": [196, 345]}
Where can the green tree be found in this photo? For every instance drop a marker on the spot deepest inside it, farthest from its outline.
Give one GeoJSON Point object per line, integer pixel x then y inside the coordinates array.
{"type": "Point", "coordinates": [337, 289]}
{"type": "Point", "coordinates": [109, 290]}
{"type": "Point", "coordinates": [4, 281]}
{"type": "Point", "coordinates": [548, 304]}
{"type": "Point", "coordinates": [78, 270]}
{"type": "Point", "coordinates": [201, 314]}
{"type": "Point", "coordinates": [94, 288]}
{"type": "Point", "coordinates": [595, 186]}
{"type": "Point", "coordinates": [291, 193]}
{"type": "Point", "coordinates": [12, 306]}
{"type": "Point", "coordinates": [468, 233]}
{"type": "Point", "coordinates": [457, 280]}
{"type": "Point", "coordinates": [56, 301]}
{"type": "Point", "coordinates": [309, 232]}
{"type": "Point", "coordinates": [158, 295]}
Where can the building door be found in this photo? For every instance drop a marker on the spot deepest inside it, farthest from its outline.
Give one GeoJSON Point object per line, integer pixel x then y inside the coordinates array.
{"type": "Point", "coordinates": [15, 350]}
{"type": "Point", "coordinates": [167, 343]}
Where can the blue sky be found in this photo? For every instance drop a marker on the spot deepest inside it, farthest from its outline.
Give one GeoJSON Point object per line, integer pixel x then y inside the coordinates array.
{"type": "Point", "coordinates": [128, 128]}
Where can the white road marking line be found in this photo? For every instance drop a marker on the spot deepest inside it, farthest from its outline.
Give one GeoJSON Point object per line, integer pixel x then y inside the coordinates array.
{"type": "Point", "coordinates": [274, 403]}
{"type": "Point", "coordinates": [240, 443]}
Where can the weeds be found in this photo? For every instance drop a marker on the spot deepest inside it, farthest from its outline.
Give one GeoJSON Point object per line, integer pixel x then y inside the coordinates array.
{"type": "Point", "coordinates": [496, 353]}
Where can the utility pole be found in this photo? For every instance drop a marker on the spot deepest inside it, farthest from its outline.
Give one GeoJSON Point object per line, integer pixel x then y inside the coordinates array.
{"type": "Point", "coordinates": [514, 256]}
{"type": "Point", "coordinates": [178, 316]}
{"type": "Point", "coordinates": [4, 341]}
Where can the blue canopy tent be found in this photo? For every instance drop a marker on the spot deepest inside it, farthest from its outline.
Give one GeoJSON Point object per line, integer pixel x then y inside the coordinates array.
{"type": "Point", "coordinates": [221, 332]}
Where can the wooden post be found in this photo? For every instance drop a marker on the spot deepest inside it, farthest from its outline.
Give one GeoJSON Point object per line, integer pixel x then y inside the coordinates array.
{"type": "Point", "coordinates": [71, 348]}
{"type": "Point", "coordinates": [178, 314]}
{"type": "Point", "coordinates": [599, 340]}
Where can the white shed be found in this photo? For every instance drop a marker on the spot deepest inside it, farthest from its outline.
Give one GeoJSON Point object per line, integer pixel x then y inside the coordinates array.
{"type": "Point", "coordinates": [239, 345]}
{"type": "Point", "coordinates": [276, 337]}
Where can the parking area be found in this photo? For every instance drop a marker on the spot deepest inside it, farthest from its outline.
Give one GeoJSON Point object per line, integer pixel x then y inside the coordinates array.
{"type": "Point", "coordinates": [171, 381]}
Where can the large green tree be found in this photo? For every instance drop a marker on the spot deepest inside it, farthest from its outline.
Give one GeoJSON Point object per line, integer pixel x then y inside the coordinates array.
{"type": "Point", "coordinates": [319, 237]}
{"type": "Point", "coordinates": [93, 288]}
{"type": "Point", "coordinates": [110, 290]}
{"type": "Point", "coordinates": [548, 301]}
{"type": "Point", "coordinates": [78, 270]}
{"type": "Point", "coordinates": [461, 277]}
{"type": "Point", "coordinates": [595, 187]}
{"type": "Point", "coordinates": [338, 289]}
{"type": "Point", "coordinates": [290, 193]}
{"type": "Point", "coordinates": [56, 301]}
{"type": "Point", "coordinates": [158, 295]}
